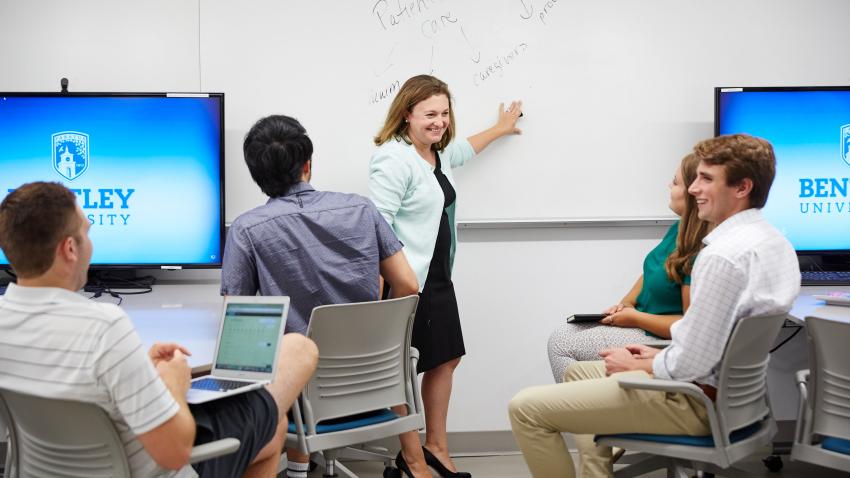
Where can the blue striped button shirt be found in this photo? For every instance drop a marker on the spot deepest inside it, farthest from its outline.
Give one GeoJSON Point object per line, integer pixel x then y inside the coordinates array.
{"type": "Point", "coordinates": [316, 247]}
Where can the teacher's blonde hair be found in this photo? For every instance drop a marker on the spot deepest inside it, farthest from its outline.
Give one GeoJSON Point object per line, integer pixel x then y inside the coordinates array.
{"type": "Point", "coordinates": [412, 92]}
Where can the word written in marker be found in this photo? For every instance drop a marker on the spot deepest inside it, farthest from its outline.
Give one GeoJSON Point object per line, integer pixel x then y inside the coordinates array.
{"type": "Point", "coordinates": [387, 92]}
{"type": "Point", "coordinates": [430, 28]}
{"type": "Point", "coordinates": [497, 67]}
{"type": "Point", "coordinates": [389, 17]}
{"type": "Point", "coordinates": [528, 10]}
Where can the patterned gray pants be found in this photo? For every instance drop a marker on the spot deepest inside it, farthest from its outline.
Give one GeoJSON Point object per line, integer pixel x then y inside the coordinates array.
{"type": "Point", "coordinates": [583, 341]}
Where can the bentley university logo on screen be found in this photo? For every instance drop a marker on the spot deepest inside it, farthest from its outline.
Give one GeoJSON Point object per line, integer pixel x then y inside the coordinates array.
{"type": "Point", "coordinates": [70, 154]}
{"type": "Point", "coordinates": [71, 158]}
{"type": "Point", "coordinates": [813, 189]}
{"type": "Point", "coordinates": [845, 143]}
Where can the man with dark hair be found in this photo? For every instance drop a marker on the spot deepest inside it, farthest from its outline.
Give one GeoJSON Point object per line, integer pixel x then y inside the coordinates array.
{"type": "Point", "coordinates": [60, 344]}
{"type": "Point", "coordinates": [316, 247]}
{"type": "Point", "coordinates": [276, 149]}
{"type": "Point", "coordinates": [747, 268]}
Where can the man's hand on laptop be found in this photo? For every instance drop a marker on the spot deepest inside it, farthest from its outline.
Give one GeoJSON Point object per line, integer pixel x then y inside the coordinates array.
{"type": "Point", "coordinates": [164, 351]}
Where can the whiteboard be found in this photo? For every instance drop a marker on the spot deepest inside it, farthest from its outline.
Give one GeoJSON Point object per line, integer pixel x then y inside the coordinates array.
{"type": "Point", "coordinates": [615, 92]}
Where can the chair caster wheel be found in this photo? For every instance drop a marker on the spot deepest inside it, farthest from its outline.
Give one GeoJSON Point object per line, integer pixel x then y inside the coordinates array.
{"type": "Point", "coordinates": [392, 472]}
{"type": "Point", "coordinates": [773, 463]}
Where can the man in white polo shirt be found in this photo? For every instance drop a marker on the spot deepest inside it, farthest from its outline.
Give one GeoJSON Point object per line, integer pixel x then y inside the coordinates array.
{"type": "Point", "coordinates": [747, 268]}
{"type": "Point", "coordinates": [57, 343]}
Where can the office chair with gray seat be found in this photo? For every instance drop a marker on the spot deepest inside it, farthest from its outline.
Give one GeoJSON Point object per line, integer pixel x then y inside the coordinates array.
{"type": "Point", "coordinates": [366, 366]}
{"type": "Point", "coordinates": [64, 438]}
{"type": "Point", "coordinates": [740, 420]}
{"type": "Point", "coordinates": [822, 436]}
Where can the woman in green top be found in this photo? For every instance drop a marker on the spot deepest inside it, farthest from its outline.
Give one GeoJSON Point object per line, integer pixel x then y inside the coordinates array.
{"type": "Point", "coordinates": [659, 297]}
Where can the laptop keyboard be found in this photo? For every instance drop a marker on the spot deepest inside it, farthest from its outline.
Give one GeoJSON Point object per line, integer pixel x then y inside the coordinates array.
{"type": "Point", "coordinates": [217, 385]}
{"type": "Point", "coordinates": [825, 277]}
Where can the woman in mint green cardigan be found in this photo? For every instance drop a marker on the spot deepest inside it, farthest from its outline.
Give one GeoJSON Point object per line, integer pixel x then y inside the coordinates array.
{"type": "Point", "coordinates": [411, 183]}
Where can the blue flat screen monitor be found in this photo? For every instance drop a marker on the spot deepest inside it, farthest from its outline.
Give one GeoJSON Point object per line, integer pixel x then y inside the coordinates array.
{"type": "Point", "coordinates": [147, 170]}
{"type": "Point", "coordinates": [810, 132]}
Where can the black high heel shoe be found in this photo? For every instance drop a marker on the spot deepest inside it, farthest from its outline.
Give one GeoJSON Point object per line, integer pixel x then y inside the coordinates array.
{"type": "Point", "coordinates": [402, 465]}
{"type": "Point", "coordinates": [440, 468]}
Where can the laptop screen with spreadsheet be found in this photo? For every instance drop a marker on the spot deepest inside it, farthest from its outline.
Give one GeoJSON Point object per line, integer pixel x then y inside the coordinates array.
{"type": "Point", "coordinates": [249, 337]}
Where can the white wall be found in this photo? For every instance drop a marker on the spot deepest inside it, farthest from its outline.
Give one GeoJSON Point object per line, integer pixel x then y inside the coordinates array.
{"type": "Point", "coordinates": [514, 286]}
{"type": "Point", "coordinates": [99, 45]}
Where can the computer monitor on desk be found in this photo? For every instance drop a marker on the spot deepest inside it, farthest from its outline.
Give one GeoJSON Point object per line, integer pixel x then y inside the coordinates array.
{"type": "Point", "coordinates": [147, 169]}
{"type": "Point", "coordinates": [809, 202]}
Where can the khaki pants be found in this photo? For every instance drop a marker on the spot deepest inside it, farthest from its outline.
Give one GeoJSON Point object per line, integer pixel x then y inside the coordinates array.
{"type": "Point", "coordinates": [589, 403]}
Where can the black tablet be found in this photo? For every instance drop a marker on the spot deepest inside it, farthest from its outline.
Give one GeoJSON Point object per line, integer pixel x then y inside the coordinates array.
{"type": "Point", "coordinates": [586, 317]}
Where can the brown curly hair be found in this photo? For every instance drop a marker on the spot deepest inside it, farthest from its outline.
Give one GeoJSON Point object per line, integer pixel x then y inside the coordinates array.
{"type": "Point", "coordinates": [743, 156]}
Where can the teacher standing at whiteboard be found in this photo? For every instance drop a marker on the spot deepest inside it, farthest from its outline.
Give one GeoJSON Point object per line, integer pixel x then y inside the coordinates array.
{"type": "Point", "coordinates": [411, 183]}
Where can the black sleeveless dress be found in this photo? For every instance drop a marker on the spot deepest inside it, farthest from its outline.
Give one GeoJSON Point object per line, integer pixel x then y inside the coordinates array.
{"type": "Point", "coordinates": [436, 329]}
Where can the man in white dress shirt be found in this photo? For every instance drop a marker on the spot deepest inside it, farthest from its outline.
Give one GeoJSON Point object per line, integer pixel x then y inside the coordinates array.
{"type": "Point", "coordinates": [746, 268]}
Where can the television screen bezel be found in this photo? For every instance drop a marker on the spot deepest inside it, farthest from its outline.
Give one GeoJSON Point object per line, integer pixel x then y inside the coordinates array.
{"type": "Point", "coordinates": [222, 232]}
{"type": "Point", "coordinates": [767, 89]}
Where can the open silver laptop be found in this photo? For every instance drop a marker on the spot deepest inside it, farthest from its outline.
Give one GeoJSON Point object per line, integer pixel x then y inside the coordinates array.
{"type": "Point", "coordinates": [246, 349]}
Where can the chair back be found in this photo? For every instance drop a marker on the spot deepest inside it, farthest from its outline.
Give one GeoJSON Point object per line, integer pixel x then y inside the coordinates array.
{"type": "Point", "coordinates": [829, 376]}
{"type": "Point", "coordinates": [11, 448]}
{"type": "Point", "coordinates": [65, 438]}
{"type": "Point", "coordinates": [364, 358]}
{"type": "Point", "coordinates": [742, 386]}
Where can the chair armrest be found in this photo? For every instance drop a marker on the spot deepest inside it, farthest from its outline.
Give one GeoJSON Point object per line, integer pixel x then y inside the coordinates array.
{"type": "Point", "coordinates": [213, 449]}
{"type": "Point", "coordinates": [803, 430]}
{"type": "Point", "coordinates": [659, 344]}
{"type": "Point", "coordinates": [662, 385]}
{"type": "Point", "coordinates": [685, 388]}
{"type": "Point", "coordinates": [802, 379]}
{"type": "Point", "coordinates": [802, 376]}
{"type": "Point", "coordinates": [417, 396]}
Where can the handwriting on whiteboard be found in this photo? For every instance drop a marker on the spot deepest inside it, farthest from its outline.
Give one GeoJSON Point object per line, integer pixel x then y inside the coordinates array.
{"type": "Point", "coordinates": [391, 16]}
{"type": "Point", "coordinates": [403, 25]}
{"type": "Point", "coordinates": [497, 67]}
{"type": "Point", "coordinates": [385, 93]}
{"type": "Point", "coordinates": [541, 12]}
